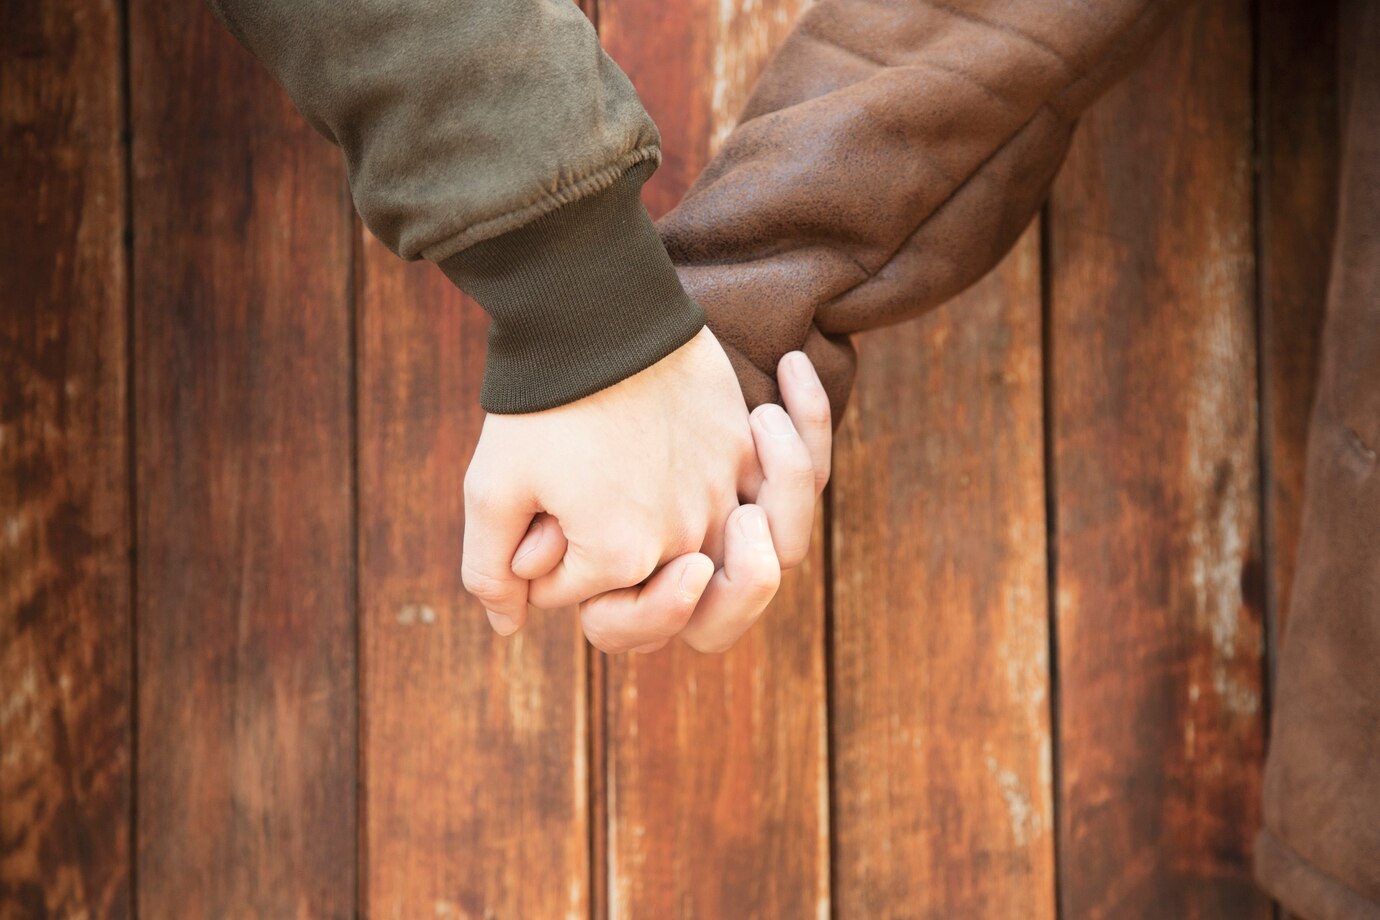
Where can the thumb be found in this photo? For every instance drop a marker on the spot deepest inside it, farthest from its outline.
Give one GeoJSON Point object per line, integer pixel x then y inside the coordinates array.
{"type": "Point", "coordinates": [633, 617]}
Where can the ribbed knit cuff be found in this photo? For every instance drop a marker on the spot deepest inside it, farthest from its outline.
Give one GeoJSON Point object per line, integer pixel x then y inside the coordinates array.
{"type": "Point", "coordinates": [581, 298]}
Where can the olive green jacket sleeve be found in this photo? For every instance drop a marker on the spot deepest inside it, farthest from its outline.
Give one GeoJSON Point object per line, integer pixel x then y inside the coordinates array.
{"type": "Point", "coordinates": [495, 138]}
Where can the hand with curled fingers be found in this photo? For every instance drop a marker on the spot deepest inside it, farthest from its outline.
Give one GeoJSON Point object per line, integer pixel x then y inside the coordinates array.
{"type": "Point", "coordinates": [627, 503]}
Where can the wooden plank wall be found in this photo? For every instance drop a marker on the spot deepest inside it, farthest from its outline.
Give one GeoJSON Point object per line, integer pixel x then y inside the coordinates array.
{"type": "Point", "coordinates": [245, 769]}
{"type": "Point", "coordinates": [1024, 672]}
{"type": "Point", "coordinates": [474, 748]}
{"type": "Point", "coordinates": [940, 717]}
{"type": "Point", "coordinates": [717, 799]}
{"type": "Point", "coordinates": [66, 713]}
{"type": "Point", "coordinates": [1153, 435]}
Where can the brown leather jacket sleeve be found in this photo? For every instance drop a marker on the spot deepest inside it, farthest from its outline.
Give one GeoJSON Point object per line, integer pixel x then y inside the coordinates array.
{"type": "Point", "coordinates": [890, 154]}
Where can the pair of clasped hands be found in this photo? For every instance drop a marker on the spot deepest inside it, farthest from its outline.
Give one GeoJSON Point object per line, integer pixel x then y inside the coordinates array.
{"type": "Point", "coordinates": [627, 503]}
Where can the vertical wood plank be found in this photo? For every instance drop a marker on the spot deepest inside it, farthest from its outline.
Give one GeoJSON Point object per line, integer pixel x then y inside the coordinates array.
{"type": "Point", "coordinates": [438, 688]}
{"type": "Point", "coordinates": [941, 681]}
{"type": "Point", "coordinates": [64, 480]}
{"type": "Point", "coordinates": [475, 763]}
{"type": "Point", "coordinates": [246, 630]}
{"type": "Point", "coordinates": [693, 62]}
{"type": "Point", "coordinates": [1297, 126]}
{"type": "Point", "coordinates": [1159, 588]}
{"type": "Point", "coordinates": [717, 773]}
{"type": "Point", "coordinates": [717, 786]}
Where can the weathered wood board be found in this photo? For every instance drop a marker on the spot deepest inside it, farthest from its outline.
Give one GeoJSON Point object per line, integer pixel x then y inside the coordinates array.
{"type": "Point", "coordinates": [474, 746]}
{"type": "Point", "coordinates": [1155, 489]}
{"type": "Point", "coordinates": [940, 698]}
{"type": "Point", "coordinates": [716, 790]}
{"type": "Point", "coordinates": [247, 712]}
{"type": "Point", "coordinates": [239, 675]}
{"type": "Point", "coordinates": [65, 690]}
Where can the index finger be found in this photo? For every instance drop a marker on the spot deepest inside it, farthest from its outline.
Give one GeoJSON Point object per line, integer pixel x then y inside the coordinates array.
{"type": "Point", "coordinates": [494, 525]}
{"type": "Point", "coordinates": [807, 403]}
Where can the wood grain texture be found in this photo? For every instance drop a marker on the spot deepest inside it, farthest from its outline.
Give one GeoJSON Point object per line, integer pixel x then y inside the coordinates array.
{"type": "Point", "coordinates": [717, 786]}
{"type": "Point", "coordinates": [717, 774]}
{"type": "Point", "coordinates": [693, 63]}
{"type": "Point", "coordinates": [64, 480]}
{"type": "Point", "coordinates": [1158, 575]}
{"type": "Point", "coordinates": [1297, 124]}
{"type": "Point", "coordinates": [247, 710]}
{"type": "Point", "coordinates": [940, 715]}
{"type": "Point", "coordinates": [519, 778]}
{"type": "Point", "coordinates": [475, 764]}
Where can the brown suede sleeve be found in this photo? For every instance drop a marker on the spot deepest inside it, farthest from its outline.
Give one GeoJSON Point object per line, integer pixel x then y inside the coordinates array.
{"type": "Point", "coordinates": [890, 154]}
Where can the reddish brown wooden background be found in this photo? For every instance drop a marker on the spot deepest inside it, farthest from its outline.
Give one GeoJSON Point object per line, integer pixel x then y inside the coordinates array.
{"type": "Point", "coordinates": [1024, 673]}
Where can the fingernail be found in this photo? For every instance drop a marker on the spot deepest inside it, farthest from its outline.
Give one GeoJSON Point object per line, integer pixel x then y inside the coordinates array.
{"type": "Point", "coordinates": [800, 367]}
{"type": "Point", "coordinates": [776, 421]}
{"type": "Point", "coordinates": [650, 647]}
{"type": "Point", "coordinates": [753, 524]}
{"type": "Point", "coordinates": [531, 541]}
{"type": "Point", "coordinates": [503, 625]}
{"type": "Point", "coordinates": [693, 579]}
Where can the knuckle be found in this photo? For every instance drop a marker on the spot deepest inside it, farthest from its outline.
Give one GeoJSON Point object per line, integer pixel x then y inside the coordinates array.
{"type": "Point", "coordinates": [544, 596]}
{"type": "Point", "coordinates": [798, 471]}
{"type": "Point", "coordinates": [789, 557]}
{"type": "Point", "coordinates": [709, 645]}
{"type": "Point", "coordinates": [672, 617]}
{"type": "Point", "coordinates": [822, 477]}
{"type": "Point", "coordinates": [600, 644]}
{"type": "Point", "coordinates": [628, 566]}
{"type": "Point", "coordinates": [484, 585]}
{"type": "Point", "coordinates": [597, 637]}
{"type": "Point", "coordinates": [815, 412]}
{"type": "Point", "coordinates": [763, 581]}
{"type": "Point", "coordinates": [720, 640]}
{"type": "Point", "coordinates": [767, 415]}
{"type": "Point", "coordinates": [478, 490]}
{"type": "Point", "coordinates": [793, 545]}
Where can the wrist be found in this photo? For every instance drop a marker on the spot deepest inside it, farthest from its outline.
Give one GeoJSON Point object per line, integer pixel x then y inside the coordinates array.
{"type": "Point", "coordinates": [581, 298]}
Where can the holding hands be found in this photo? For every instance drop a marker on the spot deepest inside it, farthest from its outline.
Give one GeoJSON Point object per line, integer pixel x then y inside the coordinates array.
{"type": "Point", "coordinates": [659, 505]}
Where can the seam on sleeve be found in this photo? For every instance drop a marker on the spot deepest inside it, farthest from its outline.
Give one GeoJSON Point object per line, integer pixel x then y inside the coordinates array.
{"type": "Point", "coordinates": [547, 201]}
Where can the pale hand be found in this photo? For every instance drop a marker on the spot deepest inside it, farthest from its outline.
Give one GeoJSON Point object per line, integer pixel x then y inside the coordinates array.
{"type": "Point", "coordinates": [645, 474]}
